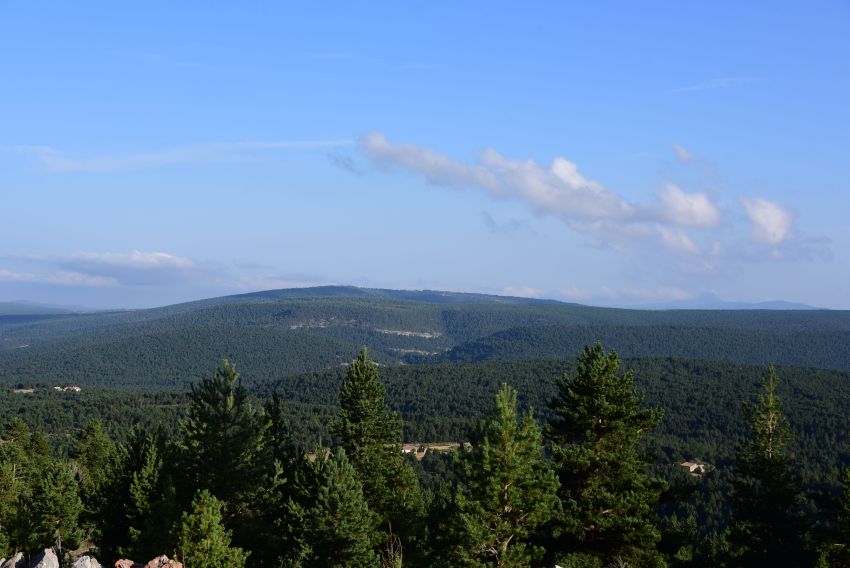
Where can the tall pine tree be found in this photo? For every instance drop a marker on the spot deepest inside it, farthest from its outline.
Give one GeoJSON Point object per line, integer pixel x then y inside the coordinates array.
{"type": "Point", "coordinates": [223, 438]}
{"type": "Point", "coordinates": [328, 520]}
{"type": "Point", "coordinates": [21, 463]}
{"type": "Point", "coordinates": [55, 510]}
{"type": "Point", "coordinates": [768, 526]}
{"type": "Point", "coordinates": [506, 490]}
{"type": "Point", "coordinates": [270, 538]}
{"type": "Point", "coordinates": [835, 551]}
{"type": "Point", "coordinates": [606, 495]}
{"type": "Point", "coordinates": [92, 449]}
{"type": "Point", "coordinates": [371, 438]}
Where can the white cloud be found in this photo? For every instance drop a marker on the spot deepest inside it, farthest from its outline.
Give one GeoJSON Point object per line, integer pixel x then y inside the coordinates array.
{"type": "Point", "coordinates": [59, 161]}
{"type": "Point", "coordinates": [61, 278]}
{"type": "Point", "coordinates": [559, 190]}
{"type": "Point", "coordinates": [78, 279]}
{"type": "Point", "coordinates": [689, 209]}
{"type": "Point", "coordinates": [574, 294]}
{"type": "Point", "coordinates": [684, 223]}
{"type": "Point", "coordinates": [272, 283]}
{"type": "Point", "coordinates": [135, 259]}
{"type": "Point", "coordinates": [682, 153]}
{"type": "Point", "coordinates": [607, 295]}
{"type": "Point", "coordinates": [677, 240]}
{"type": "Point", "coordinates": [111, 268]}
{"type": "Point", "coordinates": [521, 292]}
{"type": "Point", "coordinates": [563, 191]}
{"type": "Point", "coordinates": [771, 223]}
{"type": "Point", "coordinates": [436, 168]}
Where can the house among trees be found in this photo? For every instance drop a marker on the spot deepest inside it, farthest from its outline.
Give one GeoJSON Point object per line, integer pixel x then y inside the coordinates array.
{"type": "Point", "coordinates": [417, 450]}
{"type": "Point", "coordinates": [695, 467]}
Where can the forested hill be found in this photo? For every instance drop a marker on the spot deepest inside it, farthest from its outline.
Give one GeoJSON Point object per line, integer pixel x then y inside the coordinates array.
{"type": "Point", "coordinates": [285, 332]}
{"type": "Point", "coordinates": [824, 349]}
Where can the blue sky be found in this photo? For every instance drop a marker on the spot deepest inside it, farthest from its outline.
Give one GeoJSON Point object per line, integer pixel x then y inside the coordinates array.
{"type": "Point", "coordinates": [609, 153]}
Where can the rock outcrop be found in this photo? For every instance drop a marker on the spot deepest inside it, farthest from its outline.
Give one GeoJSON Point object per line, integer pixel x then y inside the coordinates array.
{"type": "Point", "coordinates": [158, 562]}
{"type": "Point", "coordinates": [163, 562]}
{"type": "Point", "coordinates": [47, 559]}
{"type": "Point", "coordinates": [86, 562]}
{"type": "Point", "coordinates": [17, 561]}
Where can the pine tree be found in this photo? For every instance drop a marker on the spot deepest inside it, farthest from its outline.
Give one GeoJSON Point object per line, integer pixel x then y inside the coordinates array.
{"type": "Point", "coordinates": [203, 542]}
{"type": "Point", "coordinates": [283, 458]}
{"type": "Point", "coordinates": [280, 447]}
{"type": "Point", "coordinates": [223, 437]}
{"type": "Point", "coordinates": [371, 438]}
{"type": "Point", "coordinates": [507, 489]}
{"type": "Point", "coordinates": [329, 521]}
{"type": "Point", "coordinates": [92, 449]}
{"type": "Point", "coordinates": [54, 510]}
{"type": "Point", "coordinates": [152, 509]}
{"type": "Point", "coordinates": [606, 496]}
{"type": "Point", "coordinates": [115, 512]}
{"type": "Point", "coordinates": [16, 480]}
{"type": "Point", "coordinates": [768, 525]}
{"type": "Point", "coordinates": [836, 551]}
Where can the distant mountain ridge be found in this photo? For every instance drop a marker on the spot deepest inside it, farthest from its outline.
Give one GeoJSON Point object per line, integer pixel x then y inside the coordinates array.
{"type": "Point", "coordinates": [278, 333]}
{"type": "Point", "coordinates": [18, 308]}
{"type": "Point", "coordinates": [712, 302]}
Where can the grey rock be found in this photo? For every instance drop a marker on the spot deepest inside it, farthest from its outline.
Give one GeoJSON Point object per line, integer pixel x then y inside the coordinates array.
{"type": "Point", "coordinates": [17, 561]}
{"type": "Point", "coordinates": [47, 559]}
{"type": "Point", "coordinates": [86, 562]}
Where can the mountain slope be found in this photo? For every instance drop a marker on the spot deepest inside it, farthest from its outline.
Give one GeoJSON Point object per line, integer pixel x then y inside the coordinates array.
{"type": "Point", "coordinates": [281, 332]}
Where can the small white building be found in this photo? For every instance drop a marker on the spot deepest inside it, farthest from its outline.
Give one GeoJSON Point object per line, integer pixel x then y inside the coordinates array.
{"type": "Point", "coordinates": [695, 468]}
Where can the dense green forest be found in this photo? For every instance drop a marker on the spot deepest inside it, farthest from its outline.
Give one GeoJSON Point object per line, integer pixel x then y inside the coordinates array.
{"type": "Point", "coordinates": [138, 462]}
{"type": "Point", "coordinates": [220, 473]}
{"type": "Point", "coordinates": [701, 401]}
{"type": "Point", "coordinates": [287, 332]}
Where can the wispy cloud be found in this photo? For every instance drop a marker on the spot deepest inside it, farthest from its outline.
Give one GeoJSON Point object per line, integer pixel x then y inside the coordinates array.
{"type": "Point", "coordinates": [521, 292]}
{"type": "Point", "coordinates": [560, 190]}
{"type": "Point", "coordinates": [509, 226]}
{"type": "Point", "coordinates": [58, 278]}
{"type": "Point", "coordinates": [720, 83]}
{"type": "Point", "coordinates": [626, 295]}
{"type": "Point", "coordinates": [692, 209]}
{"type": "Point", "coordinates": [689, 224]}
{"type": "Point", "coordinates": [272, 282]}
{"type": "Point", "coordinates": [677, 240]}
{"type": "Point", "coordinates": [436, 168]}
{"type": "Point", "coordinates": [771, 223]}
{"type": "Point", "coordinates": [135, 259]}
{"type": "Point", "coordinates": [111, 268]}
{"type": "Point", "coordinates": [344, 162]}
{"type": "Point", "coordinates": [60, 161]}
{"type": "Point", "coordinates": [682, 153]}
{"type": "Point", "coordinates": [147, 270]}
{"type": "Point", "coordinates": [137, 268]}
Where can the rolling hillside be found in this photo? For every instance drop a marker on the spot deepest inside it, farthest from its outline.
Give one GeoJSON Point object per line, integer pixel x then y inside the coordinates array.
{"type": "Point", "coordinates": [285, 332]}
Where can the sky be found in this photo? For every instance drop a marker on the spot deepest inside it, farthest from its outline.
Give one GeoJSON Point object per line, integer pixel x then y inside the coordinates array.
{"type": "Point", "coordinates": [610, 153]}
